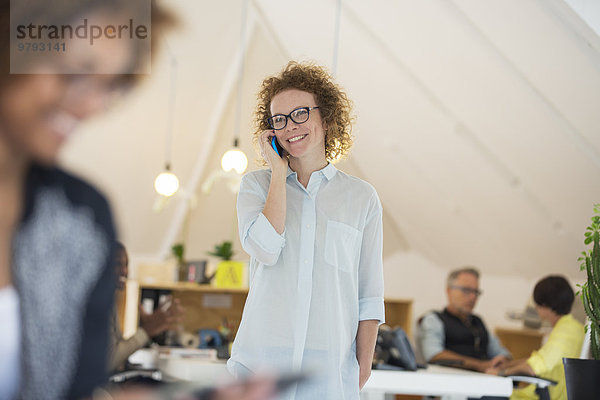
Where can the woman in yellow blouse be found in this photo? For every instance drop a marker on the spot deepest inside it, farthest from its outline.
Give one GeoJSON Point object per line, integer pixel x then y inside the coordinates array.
{"type": "Point", "coordinates": [553, 298]}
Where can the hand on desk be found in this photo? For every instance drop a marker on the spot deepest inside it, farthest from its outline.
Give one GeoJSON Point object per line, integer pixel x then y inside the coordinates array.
{"type": "Point", "coordinates": [495, 363]}
{"type": "Point", "coordinates": [447, 357]}
{"type": "Point", "coordinates": [493, 371]}
{"type": "Point", "coordinates": [498, 367]}
{"type": "Point", "coordinates": [513, 367]}
{"type": "Point", "coordinates": [499, 361]}
{"type": "Point", "coordinates": [162, 319]}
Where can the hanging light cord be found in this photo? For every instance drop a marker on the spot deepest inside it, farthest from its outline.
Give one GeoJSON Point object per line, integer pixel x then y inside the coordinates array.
{"type": "Point", "coordinates": [238, 109]}
{"type": "Point", "coordinates": [336, 37]}
{"type": "Point", "coordinates": [171, 105]}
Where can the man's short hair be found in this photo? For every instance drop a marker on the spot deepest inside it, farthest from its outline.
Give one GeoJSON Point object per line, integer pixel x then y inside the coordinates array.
{"type": "Point", "coordinates": [464, 270]}
{"type": "Point", "coordinates": [555, 293]}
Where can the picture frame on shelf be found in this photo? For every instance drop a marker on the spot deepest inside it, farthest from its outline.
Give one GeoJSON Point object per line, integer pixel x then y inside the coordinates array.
{"type": "Point", "coordinates": [196, 271]}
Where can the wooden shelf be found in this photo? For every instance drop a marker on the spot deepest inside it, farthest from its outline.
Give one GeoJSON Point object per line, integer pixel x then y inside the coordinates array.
{"type": "Point", "coordinates": [206, 305]}
{"type": "Point", "coordinates": [190, 286]}
{"type": "Point", "coordinates": [521, 341]}
{"type": "Point", "coordinates": [398, 313]}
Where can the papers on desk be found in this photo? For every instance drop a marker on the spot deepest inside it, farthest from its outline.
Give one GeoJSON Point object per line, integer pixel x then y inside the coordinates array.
{"type": "Point", "coordinates": [196, 354]}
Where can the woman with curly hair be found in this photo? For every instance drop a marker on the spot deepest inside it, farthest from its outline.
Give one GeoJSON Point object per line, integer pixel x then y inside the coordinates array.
{"type": "Point", "coordinates": [314, 235]}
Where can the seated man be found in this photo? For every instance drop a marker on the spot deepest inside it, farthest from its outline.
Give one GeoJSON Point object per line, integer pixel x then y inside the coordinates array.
{"type": "Point", "coordinates": [151, 324]}
{"type": "Point", "coordinates": [553, 298]}
{"type": "Point", "coordinates": [455, 334]}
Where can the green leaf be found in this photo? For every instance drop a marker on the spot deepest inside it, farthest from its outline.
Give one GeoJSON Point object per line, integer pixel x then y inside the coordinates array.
{"type": "Point", "coordinates": [590, 290]}
{"type": "Point", "coordinates": [223, 250]}
{"type": "Point", "coordinates": [178, 251]}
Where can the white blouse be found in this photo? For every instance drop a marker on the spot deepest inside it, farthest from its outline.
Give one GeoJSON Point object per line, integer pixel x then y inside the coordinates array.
{"type": "Point", "coordinates": [10, 343]}
{"type": "Point", "coordinates": [310, 286]}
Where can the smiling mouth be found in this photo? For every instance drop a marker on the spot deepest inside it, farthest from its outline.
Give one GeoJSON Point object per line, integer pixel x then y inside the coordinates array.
{"type": "Point", "coordinates": [296, 138]}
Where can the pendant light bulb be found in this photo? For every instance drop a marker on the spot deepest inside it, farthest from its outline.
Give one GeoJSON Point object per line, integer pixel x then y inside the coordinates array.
{"type": "Point", "coordinates": [166, 183]}
{"type": "Point", "coordinates": [234, 159]}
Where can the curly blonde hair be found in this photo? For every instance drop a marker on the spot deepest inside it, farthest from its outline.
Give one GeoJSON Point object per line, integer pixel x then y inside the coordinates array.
{"type": "Point", "coordinates": [334, 105]}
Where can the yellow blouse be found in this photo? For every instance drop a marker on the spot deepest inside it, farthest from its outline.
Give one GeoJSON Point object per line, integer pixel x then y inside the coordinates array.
{"type": "Point", "coordinates": [565, 340]}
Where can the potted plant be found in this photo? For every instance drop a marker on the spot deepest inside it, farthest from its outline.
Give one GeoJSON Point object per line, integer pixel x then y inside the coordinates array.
{"type": "Point", "coordinates": [178, 250]}
{"type": "Point", "coordinates": [582, 375]}
{"type": "Point", "coordinates": [229, 274]}
{"type": "Point", "coordinates": [223, 251]}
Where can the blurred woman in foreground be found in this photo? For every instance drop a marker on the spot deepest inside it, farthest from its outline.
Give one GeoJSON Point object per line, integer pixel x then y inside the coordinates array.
{"type": "Point", "coordinates": [56, 230]}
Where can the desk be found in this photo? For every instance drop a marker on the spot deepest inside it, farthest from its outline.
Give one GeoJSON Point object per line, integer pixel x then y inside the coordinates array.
{"type": "Point", "coordinates": [436, 381]}
{"type": "Point", "coordinates": [201, 372]}
{"type": "Point", "coordinates": [179, 364]}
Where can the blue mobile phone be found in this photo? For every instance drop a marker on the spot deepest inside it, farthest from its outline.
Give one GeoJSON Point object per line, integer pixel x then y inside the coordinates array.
{"type": "Point", "coordinates": [276, 146]}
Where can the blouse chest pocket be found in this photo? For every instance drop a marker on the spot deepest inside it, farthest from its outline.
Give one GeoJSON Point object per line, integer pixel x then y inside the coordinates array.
{"type": "Point", "coordinates": [342, 246]}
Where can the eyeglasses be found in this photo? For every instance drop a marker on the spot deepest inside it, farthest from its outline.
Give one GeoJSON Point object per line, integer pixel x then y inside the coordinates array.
{"type": "Point", "coordinates": [467, 290]}
{"type": "Point", "coordinates": [299, 115]}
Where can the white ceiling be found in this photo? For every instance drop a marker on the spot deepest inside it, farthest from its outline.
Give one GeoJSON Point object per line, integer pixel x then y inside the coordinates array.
{"type": "Point", "coordinates": [477, 121]}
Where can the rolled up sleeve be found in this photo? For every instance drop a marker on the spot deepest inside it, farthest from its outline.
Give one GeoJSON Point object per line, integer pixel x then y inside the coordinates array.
{"type": "Point", "coordinates": [495, 348]}
{"type": "Point", "coordinates": [371, 308]}
{"type": "Point", "coordinates": [370, 286]}
{"type": "Point", "coordinates": [564, 341]}
{"type": "Point", "coordinates": [258, 237]}
{"type": "Point", "coordinates": [431, 336]}
{"type": "Point", "coordinates": [126, 347]}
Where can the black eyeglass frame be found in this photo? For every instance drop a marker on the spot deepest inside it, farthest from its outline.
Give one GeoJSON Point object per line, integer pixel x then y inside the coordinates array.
{"type": "Point", "coordinates": [308, 110]}
{"type": "Point", "coordinates": [467, 290]}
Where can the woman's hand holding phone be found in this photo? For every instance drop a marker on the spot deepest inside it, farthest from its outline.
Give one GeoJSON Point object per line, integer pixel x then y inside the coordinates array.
{"type": "Point", "coordinates": [274, 208]}
{"type": "Point", "coordinates": [277, 163]}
